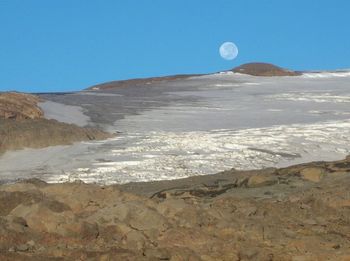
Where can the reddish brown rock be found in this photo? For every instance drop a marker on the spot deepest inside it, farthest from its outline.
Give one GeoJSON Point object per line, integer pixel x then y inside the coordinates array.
{"type": "Point", "coordinates": [264, 69]}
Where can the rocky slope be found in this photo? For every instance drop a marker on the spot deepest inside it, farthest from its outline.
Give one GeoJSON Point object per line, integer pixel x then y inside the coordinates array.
{"type": "Point", "coordinates": [19, 106]}
{"type": "Point", "coordinates": [296, 213]}
{"type": "Point", "coordinates": [40, 133]}
{"type": "Point", "coordinates": [264, 69]}
{"type": "Point", "coordinates": [22, 125]}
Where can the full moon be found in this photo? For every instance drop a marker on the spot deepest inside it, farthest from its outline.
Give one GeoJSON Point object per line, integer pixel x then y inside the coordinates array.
{"type": "Point", "coordinates": [228, 51]}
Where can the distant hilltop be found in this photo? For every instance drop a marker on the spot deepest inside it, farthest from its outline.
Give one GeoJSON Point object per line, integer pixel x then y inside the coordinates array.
{"type": "Point", "coordinates": [140, 81]}
{"type": "Point", "coordinates": [264, 69]}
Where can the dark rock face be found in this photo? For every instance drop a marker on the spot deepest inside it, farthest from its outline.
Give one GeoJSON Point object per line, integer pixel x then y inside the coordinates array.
{"type": "Point", "coordinates": [270, 214]}
{"type": "Point", "coordinates": [264, 69]}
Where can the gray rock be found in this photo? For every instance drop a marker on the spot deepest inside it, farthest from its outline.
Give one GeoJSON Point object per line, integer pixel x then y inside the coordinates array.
{"type": "Point", "coordinates": [22, 247]}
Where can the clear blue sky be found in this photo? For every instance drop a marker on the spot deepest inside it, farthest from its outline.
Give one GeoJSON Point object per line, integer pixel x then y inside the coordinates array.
{"type": "Point", "coordinates": [62, 45]}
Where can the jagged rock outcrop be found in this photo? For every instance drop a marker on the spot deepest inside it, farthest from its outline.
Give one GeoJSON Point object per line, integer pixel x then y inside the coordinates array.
{"type": "Point", "coordinates": [271, 214]}
{"type": "Point", "coordinates": [264, 69]}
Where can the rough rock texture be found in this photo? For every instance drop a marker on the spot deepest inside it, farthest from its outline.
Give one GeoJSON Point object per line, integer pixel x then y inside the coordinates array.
{"type": "Point", "coordinates": [22, 125]}
{"type": "Point", "coordinates": [271, 214]}
{"type": "Point", "coordinates": [264, 69]}
{"type": "Point", "coordinates": [19, 106]}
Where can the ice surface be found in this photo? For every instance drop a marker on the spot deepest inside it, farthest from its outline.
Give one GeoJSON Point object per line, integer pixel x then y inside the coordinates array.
{"type": "Point", "coordinates": [64, 113]}
{"type": "Point", "coordinates": [202, 126]}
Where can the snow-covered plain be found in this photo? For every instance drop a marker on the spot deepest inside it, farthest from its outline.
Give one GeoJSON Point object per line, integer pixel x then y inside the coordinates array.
{"type": "Point", "coordinates": [210, 124]}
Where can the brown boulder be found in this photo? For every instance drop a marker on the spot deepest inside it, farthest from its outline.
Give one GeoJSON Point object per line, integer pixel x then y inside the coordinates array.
{"type": "Point", "coordinates": [314, 174]}
{"type": "Point", "coordinates": [40, 218]}
{"type": "Point", "coordinates": [10, 200]}
{"type": "Point", "coordinates": [261, 181]}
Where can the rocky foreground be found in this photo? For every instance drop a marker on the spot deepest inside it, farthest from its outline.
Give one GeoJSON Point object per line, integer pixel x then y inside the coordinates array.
{"type": "Point", "coordinates": [296, 213]}
{"type": "Point", "coordinates": [22, 125]}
